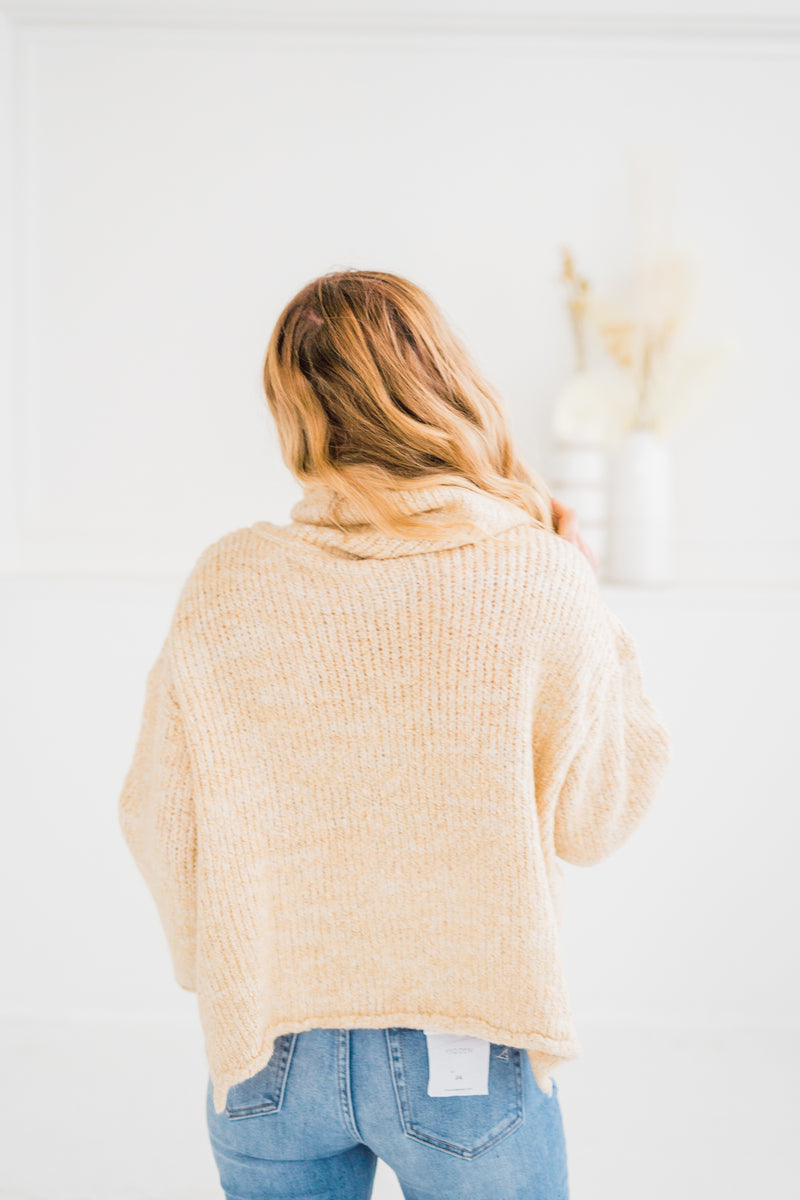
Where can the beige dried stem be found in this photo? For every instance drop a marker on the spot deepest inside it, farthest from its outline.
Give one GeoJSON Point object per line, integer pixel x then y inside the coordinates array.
{"type": "Point", "coordinates": [578, 290]}
{"type": "Point", "coordinates": [597, 402]}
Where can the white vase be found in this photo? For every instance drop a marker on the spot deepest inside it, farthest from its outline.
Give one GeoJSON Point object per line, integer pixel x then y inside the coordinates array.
{"type": "Point", "coordinates": [640, 510]}
{"type": "Point", "coordinates": [579, 480]}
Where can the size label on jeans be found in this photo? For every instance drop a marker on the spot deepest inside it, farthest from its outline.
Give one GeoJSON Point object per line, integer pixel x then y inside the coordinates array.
{"type": "Point", "coordinates": [458, 1065]}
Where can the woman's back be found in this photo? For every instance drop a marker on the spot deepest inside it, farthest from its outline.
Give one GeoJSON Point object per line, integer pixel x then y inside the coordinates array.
{"type": "Point", "coordinates": [378, 749]}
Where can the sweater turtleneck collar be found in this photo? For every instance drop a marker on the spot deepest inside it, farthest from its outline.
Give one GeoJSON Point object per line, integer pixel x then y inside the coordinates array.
{"type": "Point", "coordinates": [331, 521]}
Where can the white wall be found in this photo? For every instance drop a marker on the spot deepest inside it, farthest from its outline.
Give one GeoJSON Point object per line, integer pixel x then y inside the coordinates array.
{"type": "Point", "coordinates": [177, 172]}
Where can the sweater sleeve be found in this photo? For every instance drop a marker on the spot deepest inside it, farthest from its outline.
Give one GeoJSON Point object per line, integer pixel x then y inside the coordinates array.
{"type": "Point", "coordinates": [157, 818]}
{"type": "Point", "coordinates": [600, 747]}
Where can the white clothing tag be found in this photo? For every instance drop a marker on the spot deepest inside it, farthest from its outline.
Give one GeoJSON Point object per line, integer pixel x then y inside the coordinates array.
{"type": "Point", "coordinates": [458, 1064]}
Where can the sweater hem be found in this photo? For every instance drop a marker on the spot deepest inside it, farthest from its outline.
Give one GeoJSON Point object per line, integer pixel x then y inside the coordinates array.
{"type": "Point", "coordinates": [545, 1052]}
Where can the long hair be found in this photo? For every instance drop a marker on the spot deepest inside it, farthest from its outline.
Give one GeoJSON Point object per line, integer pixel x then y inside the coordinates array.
{"type": "Point", "coordinates": [372, 391]}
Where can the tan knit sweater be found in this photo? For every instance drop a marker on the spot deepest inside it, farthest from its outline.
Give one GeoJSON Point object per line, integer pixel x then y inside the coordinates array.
{"type": "Point", "coordinates": [359, 759]}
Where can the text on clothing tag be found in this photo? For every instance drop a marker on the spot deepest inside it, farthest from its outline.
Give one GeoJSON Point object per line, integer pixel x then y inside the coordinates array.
{"type": "Point", "coordinates": [458, 1064]}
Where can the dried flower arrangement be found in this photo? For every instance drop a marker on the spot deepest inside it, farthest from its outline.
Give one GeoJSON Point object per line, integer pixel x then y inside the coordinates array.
{"type": "Point", "coordinates": [650, 383]}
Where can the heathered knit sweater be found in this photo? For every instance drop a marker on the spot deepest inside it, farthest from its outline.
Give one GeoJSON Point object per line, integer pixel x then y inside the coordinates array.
{"type": "Point", "coordinates": [360, 757]}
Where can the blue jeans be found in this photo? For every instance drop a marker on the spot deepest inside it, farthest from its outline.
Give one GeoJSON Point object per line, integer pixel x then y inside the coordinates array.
{"type": "Point", "coordinates": [314, 1121]}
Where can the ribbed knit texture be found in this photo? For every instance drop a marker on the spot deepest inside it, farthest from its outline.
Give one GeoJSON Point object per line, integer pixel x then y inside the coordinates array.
{"type": "Point", "coordinates": [360, 757]}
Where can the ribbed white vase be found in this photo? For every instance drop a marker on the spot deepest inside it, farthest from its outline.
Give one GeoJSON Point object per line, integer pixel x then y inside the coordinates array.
{"type": "Point", "coordinates": [640, 510]}
{"type": "Point", "coordinates": [579, 481]}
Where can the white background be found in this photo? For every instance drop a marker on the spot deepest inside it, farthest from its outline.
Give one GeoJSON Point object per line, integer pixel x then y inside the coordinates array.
{"type": "Point", "coordinates": [175, 172]}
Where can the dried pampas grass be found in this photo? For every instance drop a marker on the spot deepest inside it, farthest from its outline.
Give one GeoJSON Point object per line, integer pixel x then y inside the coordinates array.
{"type": "Point", "coordinates": [652, 385]}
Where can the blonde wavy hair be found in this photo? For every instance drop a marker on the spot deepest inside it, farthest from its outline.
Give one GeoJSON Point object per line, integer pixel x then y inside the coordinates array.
{"type": "Point", "coordinates": [372, 391]}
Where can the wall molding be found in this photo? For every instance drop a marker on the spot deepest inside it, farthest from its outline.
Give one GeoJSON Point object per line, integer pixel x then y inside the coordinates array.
{"type": "Point", "coordinates": [252, 14]}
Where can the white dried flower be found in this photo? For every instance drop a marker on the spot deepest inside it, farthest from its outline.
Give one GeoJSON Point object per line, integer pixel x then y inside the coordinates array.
{"type": "Point", "coordinates": [596, 406]}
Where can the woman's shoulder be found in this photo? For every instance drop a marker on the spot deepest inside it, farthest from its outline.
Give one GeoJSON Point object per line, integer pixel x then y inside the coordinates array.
{"type": "Point", "coordinates": [558, 563]}
{"type": "Point", "coordinates": [218, 561]}
{"type": "Point", "coordinates": [564, 590]}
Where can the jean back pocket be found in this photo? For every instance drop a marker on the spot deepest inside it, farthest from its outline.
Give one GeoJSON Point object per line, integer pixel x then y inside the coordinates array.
{"type": "Point", "coordinates": [462, 1125]}
{"type": "Point", "coordinates": [263, 1092]}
